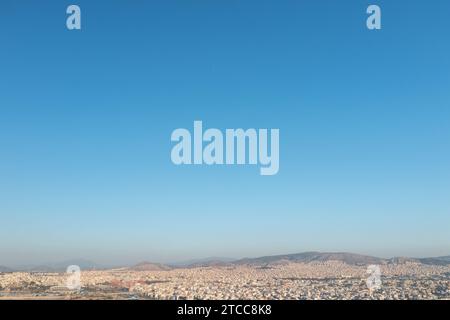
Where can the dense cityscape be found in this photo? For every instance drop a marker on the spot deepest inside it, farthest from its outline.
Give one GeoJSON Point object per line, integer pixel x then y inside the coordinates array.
{"type": "Point", "coordinates": [284, 280]}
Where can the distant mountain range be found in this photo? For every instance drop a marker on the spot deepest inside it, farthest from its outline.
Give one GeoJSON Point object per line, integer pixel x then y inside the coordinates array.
{"type": "Point", "coordinates": [349, 258]}
{"type": "Point", "coordinates": [210, 261]}
{"type": "Point", "coordinates": [304, 257]}
{"type": "Point", "coordinates": [438, 260]}
{"type": "Point", "coordinates": [5, 269]}
{"type": "Point", "coordinates": [431, 261]}
{"type": "Point", "coordinates": [149, 266]}
{"type": "Point", "coordinates": [56, 267]}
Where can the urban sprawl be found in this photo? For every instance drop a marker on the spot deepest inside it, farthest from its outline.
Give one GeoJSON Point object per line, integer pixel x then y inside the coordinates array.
{"type": "Point", "coordinates": [293, 281]}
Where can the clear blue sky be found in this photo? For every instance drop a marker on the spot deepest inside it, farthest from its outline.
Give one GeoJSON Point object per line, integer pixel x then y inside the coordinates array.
{"type": "Point", "coordinates": [86, 118]}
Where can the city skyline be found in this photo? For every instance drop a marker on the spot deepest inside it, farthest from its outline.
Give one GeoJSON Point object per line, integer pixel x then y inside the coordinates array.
{"type": "Point", "coordinates": [248, 280]}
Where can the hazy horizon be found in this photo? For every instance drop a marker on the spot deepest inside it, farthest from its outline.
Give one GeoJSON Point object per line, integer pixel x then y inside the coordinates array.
{"type": "Point", "coordinates": [186, 260]}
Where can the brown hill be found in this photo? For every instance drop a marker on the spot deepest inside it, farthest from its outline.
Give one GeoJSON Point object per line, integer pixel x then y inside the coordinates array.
{"type": "Point", "coordinates": [149, 266]}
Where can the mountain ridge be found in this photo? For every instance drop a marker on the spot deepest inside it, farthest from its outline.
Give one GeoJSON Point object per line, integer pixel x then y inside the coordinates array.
{"type": "Point", "coordinates": [314, 256]}
{"type": "Point", "coordinates": [5, 269]}
{"type": "Point", "coordinates": [149, 266]}
{"type": "Point", "coordinates": [302, 257]}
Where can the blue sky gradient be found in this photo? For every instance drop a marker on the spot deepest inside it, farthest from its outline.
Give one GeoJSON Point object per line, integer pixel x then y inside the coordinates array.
{"type": "Point", "coordinates": [86, 118]}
